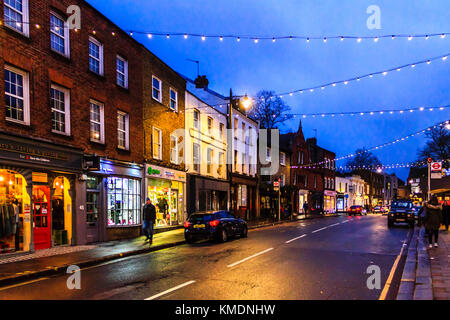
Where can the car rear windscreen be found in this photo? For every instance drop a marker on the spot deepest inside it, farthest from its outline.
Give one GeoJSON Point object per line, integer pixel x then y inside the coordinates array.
{"type": "Point", "coordinates": [401, 204]}
{"type": "Point", "coordinates": [201, 218]}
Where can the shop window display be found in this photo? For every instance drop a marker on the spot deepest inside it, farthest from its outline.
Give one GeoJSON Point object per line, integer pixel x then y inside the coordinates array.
{"type": "Point", "coordinates": [15, 230]}
{"type": "Point", "coordinates": [124, 201]}
{"type": "Point", "coordinates": [61, 207]}
{"type": "Point", "coordinates": [167, 197]}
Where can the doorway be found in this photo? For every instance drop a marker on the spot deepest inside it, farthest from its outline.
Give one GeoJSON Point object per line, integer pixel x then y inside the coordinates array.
{"type": "Point", "coordinates": [41, 217]}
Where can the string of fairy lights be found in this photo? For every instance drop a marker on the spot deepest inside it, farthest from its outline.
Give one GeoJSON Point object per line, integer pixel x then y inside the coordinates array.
{"type": "Point", "coordinates": [415, 164]}
{"type": "Point", "coordinates": [376, 148]}
{"type": "Point", "coordinates": [240, 37]}
{"type": "Point", "coordinates": [385, 111]}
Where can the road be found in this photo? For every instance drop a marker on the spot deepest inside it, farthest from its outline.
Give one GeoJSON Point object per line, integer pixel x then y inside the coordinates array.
{"type": "Point", "coordinates": [314, 259]}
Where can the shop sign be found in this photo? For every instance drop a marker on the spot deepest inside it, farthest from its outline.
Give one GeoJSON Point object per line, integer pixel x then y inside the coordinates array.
{"type": "Point", "coordinates": [329, 193]}
{"type": "Point", "coordinates": [39, 177]}
{"type": "Point", "coordinates": [436, 175]}
{"type": "Point", "coordinates": [16, 150]}
{"type": "Point", "coordinates": [164, 173]}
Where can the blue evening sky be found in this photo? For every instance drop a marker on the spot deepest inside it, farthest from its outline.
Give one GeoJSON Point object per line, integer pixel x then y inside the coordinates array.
{"type": "Point", "coordinates": [288, 65]}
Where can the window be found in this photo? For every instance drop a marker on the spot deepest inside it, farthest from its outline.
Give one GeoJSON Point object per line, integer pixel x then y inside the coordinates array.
{"type": "Point", "coordinates": [220, 168]}
{"type": "Point", "coordinates": [210, 125]}
{"type": "Point", "coordinates": [243, 163]}
{"type": "Point", "coordinates": [122, 71]}
{"type": "Point", "coordinates": [250, 165]}
{"type": "Point", "coordinates": [123, 128]}
{"type": "Point", "coordinates": [156, 89]}
{"type": "Point", "coordinates": [222, 130]}
{"type": "Point", "coordinates": [16, 15]}
{"type": "Point", "coordinates": [60, 106]}
{"type": "Point", "coordinates": [306, 181]}
{"type": "Point", "coordinates": [243, 132]}
{"type": "Point", "coordinates": [209, 161]}
{"type": "Point", "coordinates": [236, 127]}
{"type": "Point", "coordinates": [97, 122]}
{"type": "Point", "coordinates": [250, 136]}
{"type": "Point", "coordinates": [196, 156]}
{"type": "Point", "coordinates": [17, 100]}
{"type": "Point", "coordinates": [157, 143]}
{"type": "Point", "coordinates": [173, 149]}
{"type": "Point", "coordinates": [59, 35]}
{"type": "Point", "coordinates": [268, 156]}
{"type": "Point", "coordinates": [124, 201]}
{"type": "Point", "coordinates": [196, 119]}
{"type": "Point", "coordinates": [315, 182]}
{"type": "Point", "coordinates": [283, 180]}
{"type": "Point", "coordinates": [236, 155]}
{"type": "Point", "coordinates": [95, 56]}
{"type": "Point", "coordinates": [92, 200]}
{"type": "Point", "coordinates": [282, 158]}
{"type": "Point", "coordinates": [173, 100]}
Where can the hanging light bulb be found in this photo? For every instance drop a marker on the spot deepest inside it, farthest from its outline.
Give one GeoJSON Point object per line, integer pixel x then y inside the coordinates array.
{"type": "Point", "coordinates": [149, 35]}
{"type": "Point", "coordinates": [443, 36]}
{"type": "Point", "coordinates": [186, 36]}
{"type": "Point", "coordinates": [256, 40]}
{"type": "Point", "coordinates": [307, 40]}
{"type": "Point", "coordinates": [376, 39]}
{"type": "Point", "coordinates": [221, 38]}
{"type": "Point", "coordinates": [410, 38]}
{"type": "Point", "coordinates": [238, 39]}
{"type": "Point", "coordinates": [325, 40]}
{"type": "Point", "coordinates": [342, 38]}
{"type": "Point", "coordinates": [2, 179]}
{"type": "Point", "coordinates": [203, 38]}
{"type": "Point", "coordinates": [359, 40]}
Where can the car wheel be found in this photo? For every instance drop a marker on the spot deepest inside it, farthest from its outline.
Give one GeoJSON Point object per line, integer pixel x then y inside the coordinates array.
{"type": "Point", "coordinates": [223, 236]}
{"type": "Point", "coordinates": [244, 232]}
{"type": "Point", "coordinates": [188, 239]}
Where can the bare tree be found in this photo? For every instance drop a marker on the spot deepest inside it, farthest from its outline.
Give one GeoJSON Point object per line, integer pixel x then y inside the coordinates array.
{"type": "Point", "coordinates": [364, 159]}
{"type": "Point", "coordinates": [437, 146]}
{"type": "Point", "coordinates": [270, 110]}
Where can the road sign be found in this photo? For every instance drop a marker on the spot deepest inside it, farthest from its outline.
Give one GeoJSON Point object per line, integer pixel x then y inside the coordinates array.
{"type": "Point", "coordinates": [436, 166]}
{"type": "Point", "coordinates": [276, 183]}
{"type": "Point", "coordinates": [430, 160]}
{"type": "Point", "coordinates": [436, 175]}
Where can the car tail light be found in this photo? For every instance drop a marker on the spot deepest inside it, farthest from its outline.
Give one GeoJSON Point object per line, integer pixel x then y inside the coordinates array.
{"type": "Point", "coordinates": [214, 223]}
{"type": "Point", "coordinates": [187, 224]}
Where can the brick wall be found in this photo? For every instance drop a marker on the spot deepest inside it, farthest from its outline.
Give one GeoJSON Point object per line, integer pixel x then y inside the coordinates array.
{"type": "Point", "coordinates": [158, 114]}
{"type": "Point", "coordinates": [34, 55]}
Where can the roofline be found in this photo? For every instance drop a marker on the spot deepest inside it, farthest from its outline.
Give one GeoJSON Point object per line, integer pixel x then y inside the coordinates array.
{"type": "Point", "coordinates": [207, 104]}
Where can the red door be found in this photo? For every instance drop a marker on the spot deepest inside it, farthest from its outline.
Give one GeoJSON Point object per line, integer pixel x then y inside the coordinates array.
{"type": "Point", "coordinates": [41, 218]}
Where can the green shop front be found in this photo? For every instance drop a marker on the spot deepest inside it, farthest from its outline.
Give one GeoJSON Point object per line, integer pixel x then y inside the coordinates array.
{"type": "Point", "coordinates": [166, 189]}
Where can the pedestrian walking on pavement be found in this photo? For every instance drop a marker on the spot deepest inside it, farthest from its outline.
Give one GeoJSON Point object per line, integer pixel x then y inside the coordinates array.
{"type": "Point", "coordinates": [149, 215]}
{"type": "Point", "coordinates": [446, 214]}
{"type": "Point", "coordinates": [305, 208]}
{"type": "Point", "coordinates": [433, 220]}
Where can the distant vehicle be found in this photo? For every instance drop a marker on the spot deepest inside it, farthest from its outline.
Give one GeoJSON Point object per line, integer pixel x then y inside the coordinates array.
{"type": "Point", "coordinates": [402, 211]}
{"type": "Point", "coordinates": [378, 209]}
{"type": "Point", "coordinates": [219, 226]}
{"type": "Point", "coordinates": [385, 211]}
{"type": "Point", "coordinates": [354, 210]}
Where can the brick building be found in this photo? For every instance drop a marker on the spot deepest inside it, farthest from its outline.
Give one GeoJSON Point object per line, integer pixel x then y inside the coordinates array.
{"type": "Point", "coordinates": [305, 178]}
{"type": "Point", "coordinates": [71, 132]}
{"type": "Point", "coordinates": [164, 122]}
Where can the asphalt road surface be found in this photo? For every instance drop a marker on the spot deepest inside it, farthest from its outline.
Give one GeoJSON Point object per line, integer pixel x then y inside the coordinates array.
{"type": "Point", "coordinates": [315, 259]}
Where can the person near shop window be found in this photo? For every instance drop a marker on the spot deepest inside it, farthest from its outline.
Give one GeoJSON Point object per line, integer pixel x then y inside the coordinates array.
{"type": "Point", "coordinates": [149, 217]}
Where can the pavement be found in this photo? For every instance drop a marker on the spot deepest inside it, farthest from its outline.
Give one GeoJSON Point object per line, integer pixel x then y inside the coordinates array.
{"type": "Point", "coordinates": [312, 259]}
{"type": "Point", "coordinates": [426, 275]}
{"type": "Point", "coordinates": [24, 267]}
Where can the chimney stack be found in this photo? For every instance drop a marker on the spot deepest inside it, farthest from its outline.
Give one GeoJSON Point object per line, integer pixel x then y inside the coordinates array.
{"type": "Point", "coordinates": [201, 82]}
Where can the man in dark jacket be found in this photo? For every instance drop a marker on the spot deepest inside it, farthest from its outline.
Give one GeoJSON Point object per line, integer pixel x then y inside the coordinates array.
{"type": "Point", "coordinates": [149, 215]}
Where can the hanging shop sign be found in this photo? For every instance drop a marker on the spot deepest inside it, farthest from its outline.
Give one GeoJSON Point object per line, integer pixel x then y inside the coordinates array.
{"type": "Point", "coordinates": [38, 153]}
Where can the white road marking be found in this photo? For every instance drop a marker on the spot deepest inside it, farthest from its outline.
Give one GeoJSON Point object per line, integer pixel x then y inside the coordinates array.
{"type": "Point", "coordinates": [345, 221]}
{"type": "Point", "coordinates": [171, 290]}
{"type": "Point", "coordinates": [292, 240]}
{"type": "Point", "coordinates": [248, 258]}
{"type": "Point", "coordinates": [321, 229]}
{"type": "Point", "coordinates": [333, 225]}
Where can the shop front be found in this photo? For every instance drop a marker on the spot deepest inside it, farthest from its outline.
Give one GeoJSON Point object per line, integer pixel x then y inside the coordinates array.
{"type": "Point", "coordinates": [37, 194]}
{"type": "Point", "coordinates": [329, 201]}
{"type": "Point", "coordinates": [166, 189]}
{"type": "Point", "coordinates": [302, 199]}
{"type": "Point", "coordinates": [341, 202]}
{"type": "Point", "coordinates": [112, 202]}
{"type": "Point", "coordinates": [206, 194]}
{"type": "Point", "coordinates": [244, 197]}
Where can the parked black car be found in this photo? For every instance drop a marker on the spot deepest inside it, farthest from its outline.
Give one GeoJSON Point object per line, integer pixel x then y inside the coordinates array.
{"type": "Point", "coordinates": [402, 211]}
{"type": "Point", "coordinates": [218, 226]}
